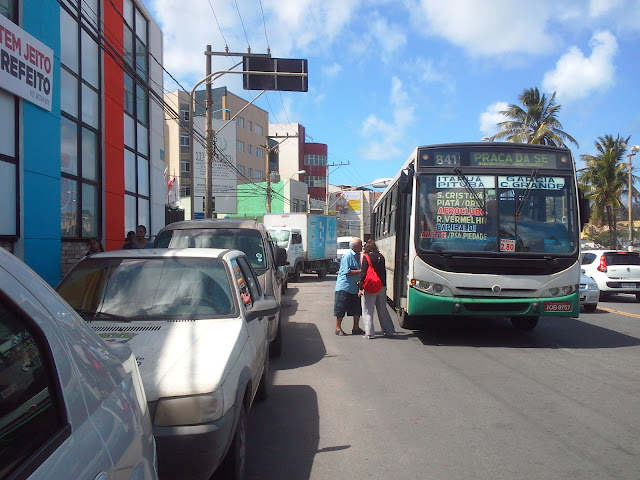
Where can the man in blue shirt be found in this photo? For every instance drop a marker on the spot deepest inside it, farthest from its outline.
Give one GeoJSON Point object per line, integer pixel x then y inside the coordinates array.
{"type": "Point", "coordinates": [347, 301]}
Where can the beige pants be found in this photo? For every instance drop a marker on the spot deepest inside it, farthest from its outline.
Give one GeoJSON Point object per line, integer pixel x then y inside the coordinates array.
{"type": "Point", "coordinates": [372, 302]}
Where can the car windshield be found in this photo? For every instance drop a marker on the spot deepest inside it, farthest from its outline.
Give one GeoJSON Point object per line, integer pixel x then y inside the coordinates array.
{"type": "Point", "coordinates": [246, 240]}
{"type": "Point", "coordinates": [149, 289]}
{"type": "Point", "coordinates": [343, 245]}
{"type": "Point", "coordinates": [281, 237]}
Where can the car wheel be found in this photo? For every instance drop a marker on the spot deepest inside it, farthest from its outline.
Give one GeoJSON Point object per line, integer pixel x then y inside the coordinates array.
{"type": "Point", "coordinates": [296, 272]}
{"type": "Point", "coordinates": [233, 465]}
{"type": "Point", "coordinates": [524, 323]}
{"type": "Point", "coordinates": [406, 321]}
{"type": "Point", "coordinates": [638, 297]}
{"type": "Point", "coordinates": [275, 347]}
{"type": "Point", "coordinates": [590, 308]}
{"type": "Point", "coordinates": [263, 389]}
{"type": "Point", "coordinates": [322, 273]}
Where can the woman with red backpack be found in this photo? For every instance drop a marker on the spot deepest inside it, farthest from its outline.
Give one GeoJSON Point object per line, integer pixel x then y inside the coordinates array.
{"type": "Point", "coordinates": [373, 291]}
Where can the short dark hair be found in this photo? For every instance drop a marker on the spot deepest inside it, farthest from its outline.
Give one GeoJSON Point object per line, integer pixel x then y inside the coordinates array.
{"type": "Point", "coordinates": [131, 233]}
{"type": "Point", "coordinates": [143, 227]}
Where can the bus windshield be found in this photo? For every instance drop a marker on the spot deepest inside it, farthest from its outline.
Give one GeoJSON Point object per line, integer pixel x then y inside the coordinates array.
{"type": "Point", "coordinates": [496, 213]}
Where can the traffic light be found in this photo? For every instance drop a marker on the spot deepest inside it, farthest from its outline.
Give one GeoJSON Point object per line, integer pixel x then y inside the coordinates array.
{"type": "Point", "coordinates": [273, 79]}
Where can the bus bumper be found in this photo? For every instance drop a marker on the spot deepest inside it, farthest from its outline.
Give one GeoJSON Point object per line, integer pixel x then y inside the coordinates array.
{"type": "Point", "coordinates": [421, 303]}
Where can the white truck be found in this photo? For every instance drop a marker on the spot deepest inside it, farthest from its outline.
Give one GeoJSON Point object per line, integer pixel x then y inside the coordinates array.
{"type": "Point", "coordinates": [310, 241]}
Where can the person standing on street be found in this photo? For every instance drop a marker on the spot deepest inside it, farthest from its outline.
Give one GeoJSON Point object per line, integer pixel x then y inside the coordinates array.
{"type": "Point", "coordinates": [375, 301]}
{"type": "Point", "coordinates": [140, 240]}
{"type": "Point", "coordinates": [346, 300]}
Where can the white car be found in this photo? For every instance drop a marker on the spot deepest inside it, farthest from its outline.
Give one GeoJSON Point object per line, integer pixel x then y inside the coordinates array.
{"type": "Point", "coordinates": [614, 271]}
{"type": "Point", "coordinates": [589, 293]}
{"type": "Point", "coordinates": [198, 322]}
{"type": "Point", "coordinates": [71, 406]}
{"type": "Point", "coordinates": [343, 247]}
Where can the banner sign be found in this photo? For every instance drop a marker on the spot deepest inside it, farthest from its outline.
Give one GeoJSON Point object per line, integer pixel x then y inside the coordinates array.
{"type": "Point", "coordinates": [26, 65]}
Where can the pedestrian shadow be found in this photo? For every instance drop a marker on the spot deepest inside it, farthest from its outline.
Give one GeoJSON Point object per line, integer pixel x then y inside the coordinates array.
{"type": "Point", "coordinates": [551, 332]}
{"type": "Point", "coordinates": [283, 434]}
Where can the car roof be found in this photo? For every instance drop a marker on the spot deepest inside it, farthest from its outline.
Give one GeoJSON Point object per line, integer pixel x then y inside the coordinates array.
{"type": "Point", "coordinates": [213, 223]}
{"type": "Point", "coordinates": [170, 252]}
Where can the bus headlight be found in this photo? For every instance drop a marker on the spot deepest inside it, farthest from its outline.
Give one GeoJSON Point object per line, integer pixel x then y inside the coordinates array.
{"type": "Point", "coordinates": [432, 288]}
{"type": "Point", "coordinates": [554, 291]}
{"type": "Point", "coordinates": [438, 288]}
{"type": "Point", "coordinates": [567, 289]}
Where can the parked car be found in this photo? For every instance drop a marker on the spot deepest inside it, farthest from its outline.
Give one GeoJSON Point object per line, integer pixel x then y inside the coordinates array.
{"type": "Point", "coordinates": [343, 247]}
{"type": "Point", "coordinates": [248, 236]}
{"type": "Point", "coordinates": [614, 271]}
{"type": "Point", "coordinates": [589, 293]}
{"type": "Point", "coordinates": [71, 406]}
{"type": "Point", "coordinates": [197, 321]}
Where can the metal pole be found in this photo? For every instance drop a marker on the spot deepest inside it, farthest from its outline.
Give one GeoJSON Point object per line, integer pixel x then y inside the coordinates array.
{"type": "Point", "coordinates": [268, 182]}
{"type": "Point", "coordinates": [209, 140]}
{"type": "Point", "coordinates": [630, 247]}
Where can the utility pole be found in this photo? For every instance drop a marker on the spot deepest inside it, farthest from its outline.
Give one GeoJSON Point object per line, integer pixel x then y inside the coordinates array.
{"type": "Point", "coordinates": [208, 167]}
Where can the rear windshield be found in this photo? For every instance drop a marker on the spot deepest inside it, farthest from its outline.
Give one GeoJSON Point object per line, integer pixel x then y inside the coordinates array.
{"type": "Point", "coordinates": [622, 258]}
{"type": "Point", "coordinates": [246, 240]}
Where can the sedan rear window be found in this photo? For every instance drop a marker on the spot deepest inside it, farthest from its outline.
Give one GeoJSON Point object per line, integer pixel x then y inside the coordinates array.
{"type": "Point", "coordinates": [246, 240]}
{"type": "Point", "coordinates": [622, 258]}
{"type": "Point", "coordinates": [149, 289]}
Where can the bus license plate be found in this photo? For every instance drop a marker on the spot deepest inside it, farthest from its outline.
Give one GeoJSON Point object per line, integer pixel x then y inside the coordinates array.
{"type": "Point", "coordinates": [628, 285]}
{"type": "Point", "coordinates": [557, 306]}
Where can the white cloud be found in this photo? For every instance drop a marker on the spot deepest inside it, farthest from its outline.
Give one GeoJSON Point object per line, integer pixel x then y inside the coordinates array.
{"type": "Point", "coordinates": [387, 135]}
{"type": "Point", "coordinates": [388, 36]}
{"type": "Point", "coordinates": [331, 70]}
{"type": "Point", "coordinates": [577, 76]}
{"type": "Point", "coordinates": [489, 28]}
{"type": "Point", "coordinates": [600, 7]}
{"type": "Point", "coordinates": [490, 118]}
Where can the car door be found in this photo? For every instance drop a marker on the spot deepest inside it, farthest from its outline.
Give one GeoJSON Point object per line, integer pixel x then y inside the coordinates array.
{"type": "Point", "coordinates": [258, 328]}
{"type": "Point", "coordinates": [44, 428]}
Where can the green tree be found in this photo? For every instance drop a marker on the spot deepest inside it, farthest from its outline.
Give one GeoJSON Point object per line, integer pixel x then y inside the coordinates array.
{"type": "Point", "coordinates": [605, 180]}
{"type": "Point", "coordinates": [533, 122]}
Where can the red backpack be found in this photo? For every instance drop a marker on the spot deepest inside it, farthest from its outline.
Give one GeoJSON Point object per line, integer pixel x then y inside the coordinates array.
{"type": "Point", "coordinates": [371, 282]}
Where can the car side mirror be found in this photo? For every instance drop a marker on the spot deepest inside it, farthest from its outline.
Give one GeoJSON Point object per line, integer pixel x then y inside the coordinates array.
{"type": "Point", "coordinates": [281, 256]}
{"type": "Point", "coordinates": [266, 307]}
{"type": "Point", "coordinates": [582, 270]}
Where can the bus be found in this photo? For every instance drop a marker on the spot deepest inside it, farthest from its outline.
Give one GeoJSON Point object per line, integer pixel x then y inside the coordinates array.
{"type": "Point", "coordinates": [485, 229]}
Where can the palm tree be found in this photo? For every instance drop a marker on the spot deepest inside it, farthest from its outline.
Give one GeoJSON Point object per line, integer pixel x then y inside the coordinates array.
{"type": "Point", "coordinates": [535, 123]}
{"type": "Point", "coordinates": [605, 180]}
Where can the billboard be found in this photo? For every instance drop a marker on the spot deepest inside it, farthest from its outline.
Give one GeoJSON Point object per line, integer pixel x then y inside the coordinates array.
{"type": "Point", "coordinates": [26, 65]}
{"type": "Point", "coordinates": [224, 180]}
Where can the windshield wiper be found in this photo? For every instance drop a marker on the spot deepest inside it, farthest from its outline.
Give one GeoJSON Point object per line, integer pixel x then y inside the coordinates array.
{"type": "Point", "coordinates": [471, 190]}
{"type": "Point", "coordinates": [525, 195]}
{"type": "Point", "coordinates": [94, 314]}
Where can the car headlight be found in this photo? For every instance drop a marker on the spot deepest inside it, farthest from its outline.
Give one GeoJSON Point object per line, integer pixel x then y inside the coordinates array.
{"type": "Point", "coordinates": [591, 285]}
{"type": "Point", "coordinates": [192, 410]}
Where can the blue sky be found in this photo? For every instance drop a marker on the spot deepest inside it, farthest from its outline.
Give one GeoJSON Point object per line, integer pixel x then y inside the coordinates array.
{"type": "Point", "coordinates": [388, 76]}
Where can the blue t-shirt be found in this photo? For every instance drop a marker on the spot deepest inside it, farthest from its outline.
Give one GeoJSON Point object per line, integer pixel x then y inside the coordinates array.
{"type": "Point", "coordinates": [348, 283]}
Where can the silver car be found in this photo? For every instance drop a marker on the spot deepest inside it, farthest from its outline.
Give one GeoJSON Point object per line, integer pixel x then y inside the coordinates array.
{"type": "Point", "coordinates": [589, 293]}
{"type": "Point", "coordinates": [71, 406]}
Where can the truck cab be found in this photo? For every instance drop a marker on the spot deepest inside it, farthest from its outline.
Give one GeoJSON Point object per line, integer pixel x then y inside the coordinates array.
{"type": "Point", "coordinates": [291, 240]}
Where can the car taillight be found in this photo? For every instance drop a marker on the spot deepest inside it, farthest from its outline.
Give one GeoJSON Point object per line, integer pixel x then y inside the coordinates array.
{"type": "Point", "coordinates": [603, 265]}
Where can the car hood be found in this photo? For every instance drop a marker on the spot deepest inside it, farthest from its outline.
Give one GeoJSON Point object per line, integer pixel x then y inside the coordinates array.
{"type": "Point", "coordinates": [180, 357]}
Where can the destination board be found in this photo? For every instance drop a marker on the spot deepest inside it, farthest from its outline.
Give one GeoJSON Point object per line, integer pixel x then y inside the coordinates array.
{"type": "Point", "coordinates": [512, 159]}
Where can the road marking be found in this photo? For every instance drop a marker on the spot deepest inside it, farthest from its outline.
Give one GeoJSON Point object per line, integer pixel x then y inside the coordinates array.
{"type": "Point", "coordinates": [611, 310]}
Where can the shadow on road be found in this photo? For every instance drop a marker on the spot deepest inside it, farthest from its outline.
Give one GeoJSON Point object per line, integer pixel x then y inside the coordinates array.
{"type": "Point", "coordinates": [302, 343]}
{"type": "Point", "coordinates": [551, 332]}
{"type": "Point", "coordinates": [284, 434]}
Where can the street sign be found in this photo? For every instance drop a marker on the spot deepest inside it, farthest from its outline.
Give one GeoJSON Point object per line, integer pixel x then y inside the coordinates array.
{"type": "Point", "coordinates": [280, 74]}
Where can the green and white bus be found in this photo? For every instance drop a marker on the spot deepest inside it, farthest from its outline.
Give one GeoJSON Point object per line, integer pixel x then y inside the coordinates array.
{"type": "Point", "coordinates": [482, 229]}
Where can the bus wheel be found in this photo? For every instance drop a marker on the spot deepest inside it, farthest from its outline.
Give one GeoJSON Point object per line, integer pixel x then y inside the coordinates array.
{"type": "Point", "coordinates": [405, 320]}
{"type": "Point", "coordinates": [524, 323]}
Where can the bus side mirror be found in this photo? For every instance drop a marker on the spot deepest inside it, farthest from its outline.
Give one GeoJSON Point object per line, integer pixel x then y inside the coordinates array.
{"type": "Point", "coordinates": [405, 182]}
{"type": "Point", "coordinates": [585, 209]}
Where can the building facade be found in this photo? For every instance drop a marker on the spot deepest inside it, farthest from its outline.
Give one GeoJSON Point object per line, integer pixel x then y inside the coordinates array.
{"type": "Point", "coordinates": [81, 148]}
{"type": "Point", "coordinates": [293, 154]}
{"type": "Point", "coordinates": [245, 158]}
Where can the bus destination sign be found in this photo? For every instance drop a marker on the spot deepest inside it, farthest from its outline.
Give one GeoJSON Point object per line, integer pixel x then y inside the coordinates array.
{"type": "Point", "coordinates": [512, 159]}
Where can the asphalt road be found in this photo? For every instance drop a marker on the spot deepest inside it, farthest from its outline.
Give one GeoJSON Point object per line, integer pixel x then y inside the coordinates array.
{"type": "Point", "coordinates": [465, 399]}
